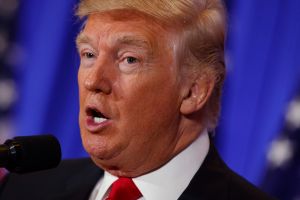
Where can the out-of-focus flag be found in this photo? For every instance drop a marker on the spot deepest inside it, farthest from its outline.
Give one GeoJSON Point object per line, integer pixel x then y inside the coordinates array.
{"type": "Point", "coordinates": [283, 176]}
{"type": "Point", "coordinates": [3, 173]}
{"type": "Point", "coordinates": [8, 55]}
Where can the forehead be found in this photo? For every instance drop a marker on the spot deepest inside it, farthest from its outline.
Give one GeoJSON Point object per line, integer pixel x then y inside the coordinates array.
{"type": "Point", "coordinates": [130, 26]}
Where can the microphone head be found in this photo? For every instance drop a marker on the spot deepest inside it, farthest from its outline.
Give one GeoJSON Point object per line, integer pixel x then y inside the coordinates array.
{"type": "Point", "coordinates": [33, 153]}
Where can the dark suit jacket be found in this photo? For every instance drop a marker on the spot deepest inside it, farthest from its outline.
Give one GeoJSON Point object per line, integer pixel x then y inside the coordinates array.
{"type": "Point", "coordinates": [75, 180]}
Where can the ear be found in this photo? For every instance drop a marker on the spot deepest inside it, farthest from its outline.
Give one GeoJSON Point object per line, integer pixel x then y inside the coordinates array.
{"type": "Point", "coordinates": [197, 94]}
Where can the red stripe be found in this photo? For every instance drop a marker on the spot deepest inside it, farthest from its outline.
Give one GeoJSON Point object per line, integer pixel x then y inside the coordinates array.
{"type": "Point", "coordinates": [3, 173]}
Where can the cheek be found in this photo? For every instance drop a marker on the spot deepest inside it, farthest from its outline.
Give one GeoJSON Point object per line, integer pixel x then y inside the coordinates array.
{"type": "Point", "coordinates": [81, 87]}
{"type": "Point", "coordinates": [82, 97]}
{"type": "Point", "coordinates": [80, 83]}
{"type": "Point", "coordinates": [149, 104]}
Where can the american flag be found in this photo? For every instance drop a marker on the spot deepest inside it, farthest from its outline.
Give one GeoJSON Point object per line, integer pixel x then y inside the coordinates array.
{"type": "Point", "coordinates": [8, 11]}
{"type": "Point", "coordinates": [3, 173]}
{"type": "Point", "coordinates": [283, 175]}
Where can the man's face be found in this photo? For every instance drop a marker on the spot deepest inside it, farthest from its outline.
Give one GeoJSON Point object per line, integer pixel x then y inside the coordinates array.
{"type": "Point", "coordinates": [130, 93]}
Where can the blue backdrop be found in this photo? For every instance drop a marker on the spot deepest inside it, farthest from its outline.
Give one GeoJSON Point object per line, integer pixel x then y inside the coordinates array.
{"type": "Point", "coordinates": [48, 97]}
{"type": "Point", "coordinates": [263, 62]}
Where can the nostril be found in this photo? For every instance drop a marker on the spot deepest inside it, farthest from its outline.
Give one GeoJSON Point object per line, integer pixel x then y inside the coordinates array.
{"type": "Point", "coordinates": [97, 90]}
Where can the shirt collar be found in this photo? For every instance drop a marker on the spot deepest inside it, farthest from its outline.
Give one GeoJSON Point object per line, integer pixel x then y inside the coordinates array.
{"type": "Point", "coordinates": [169, 181]}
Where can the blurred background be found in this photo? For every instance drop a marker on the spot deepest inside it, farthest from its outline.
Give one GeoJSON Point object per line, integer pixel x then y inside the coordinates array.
{"type": "Point", "coordinates": [259, 131]}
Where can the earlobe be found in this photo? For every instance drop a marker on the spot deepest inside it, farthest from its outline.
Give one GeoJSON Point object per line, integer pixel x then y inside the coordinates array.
{"type": "Point", "coordinates": [197, 95]}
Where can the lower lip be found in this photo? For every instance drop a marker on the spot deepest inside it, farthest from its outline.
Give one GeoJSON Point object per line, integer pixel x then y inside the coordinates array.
{"type": "Point", "coordinates": [93, 127]}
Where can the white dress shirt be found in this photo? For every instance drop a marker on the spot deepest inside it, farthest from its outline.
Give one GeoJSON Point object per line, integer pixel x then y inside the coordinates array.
{"type": "Point", "coordinates": [167, 182]}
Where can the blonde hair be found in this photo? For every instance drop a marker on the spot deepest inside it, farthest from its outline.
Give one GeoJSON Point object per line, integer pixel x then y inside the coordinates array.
{"type": "Point", "coordinates": [201, 24]}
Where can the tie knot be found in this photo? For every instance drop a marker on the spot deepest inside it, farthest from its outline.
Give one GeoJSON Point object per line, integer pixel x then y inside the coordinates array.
{"type": "Point", "coordinates": [124, 189]}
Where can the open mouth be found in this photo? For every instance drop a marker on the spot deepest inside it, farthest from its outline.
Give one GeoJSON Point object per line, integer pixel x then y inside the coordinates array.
{"type": "Point", "coordinates": [96, 115]}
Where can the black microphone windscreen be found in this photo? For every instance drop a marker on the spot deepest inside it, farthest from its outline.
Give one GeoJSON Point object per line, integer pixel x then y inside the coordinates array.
{"type": "Point", "coordinates": [33, 153]}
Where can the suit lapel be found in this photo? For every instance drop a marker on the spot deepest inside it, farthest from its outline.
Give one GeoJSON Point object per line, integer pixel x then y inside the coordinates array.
{"type": "Point", "coordinates": [80, 186]}
{"type": "Point", "coordinates": [208, 182]}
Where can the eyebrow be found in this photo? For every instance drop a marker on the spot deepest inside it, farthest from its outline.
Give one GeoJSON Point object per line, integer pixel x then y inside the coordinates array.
{"type": "Point", "coordinates": [131, 40]}
{"type": "Point", "coordinates": [82, 39]}
{"type": "Point", "coordinates": [134, 41]}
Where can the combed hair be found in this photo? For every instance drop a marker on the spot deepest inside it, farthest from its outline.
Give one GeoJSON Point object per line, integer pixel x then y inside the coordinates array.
{"type": "Point", "coordinates": [201, 25]}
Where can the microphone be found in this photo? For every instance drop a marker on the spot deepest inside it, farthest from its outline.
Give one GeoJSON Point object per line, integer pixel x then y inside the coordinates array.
{"type": "Point", "coordinates": [30, 153]}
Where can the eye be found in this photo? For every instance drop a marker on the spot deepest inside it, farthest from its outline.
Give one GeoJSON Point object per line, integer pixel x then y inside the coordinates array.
{"type": "Point", "coordinates": [88, 55]}
{"type": "Point", "coordinates": [131, 60]}
{"type": "Point", "coordinates": [129, 63]}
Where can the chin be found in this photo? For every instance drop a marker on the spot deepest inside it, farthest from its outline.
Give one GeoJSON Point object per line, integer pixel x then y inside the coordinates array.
{"type": "Point", "coordinates": [109, 165]}
{"type": "Point", "coordinates": [114, 166]}
{"type": "Point", "coordinates": [95, 147]}
{"type": "Point", "coordinates": [101, 153]}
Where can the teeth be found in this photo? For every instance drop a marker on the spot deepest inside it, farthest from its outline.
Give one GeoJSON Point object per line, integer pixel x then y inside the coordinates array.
{"type": "Point", "coordinates": [99, 120]}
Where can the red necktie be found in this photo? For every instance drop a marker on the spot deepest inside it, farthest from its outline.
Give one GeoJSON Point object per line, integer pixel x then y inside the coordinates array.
{"type": "Point", "coordinates": [124, 189]}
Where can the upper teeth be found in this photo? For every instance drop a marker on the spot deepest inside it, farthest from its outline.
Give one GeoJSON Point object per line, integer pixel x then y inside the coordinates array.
{"type": "Point", "coordinates": [99, 119]}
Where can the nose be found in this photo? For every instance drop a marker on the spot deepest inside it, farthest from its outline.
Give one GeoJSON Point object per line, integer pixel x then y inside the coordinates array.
{"type": "Point", "coordinates": [98, 79]}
